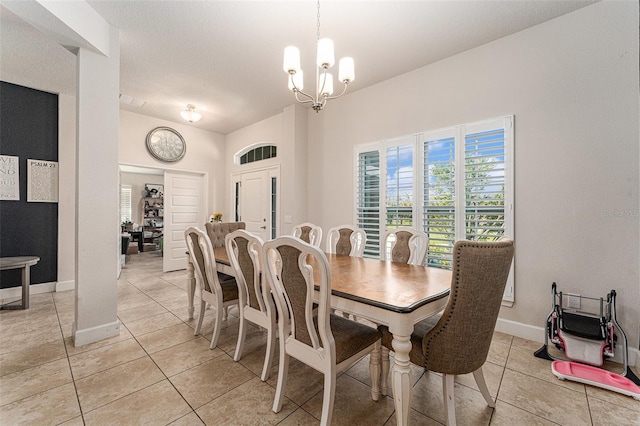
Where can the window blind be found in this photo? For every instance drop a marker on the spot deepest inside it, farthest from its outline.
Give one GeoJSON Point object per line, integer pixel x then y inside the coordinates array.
{"type": "Point", "coordinates": [125, 203]}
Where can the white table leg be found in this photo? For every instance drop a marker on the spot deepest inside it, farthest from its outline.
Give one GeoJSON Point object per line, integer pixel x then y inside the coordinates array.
{"type": "Point", "coordinates": [191, 287]}
{"type": "Point", "coordinates": [401, 377]}
{"type": "Point", "coordinates": [374, 370]}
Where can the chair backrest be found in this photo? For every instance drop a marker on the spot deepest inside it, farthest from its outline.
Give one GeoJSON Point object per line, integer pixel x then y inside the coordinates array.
{"type": "Point", "coordinates": [309, 233]}
{"type": "Point", "coordinates": [404, 245]}
{"type": "Point", "coordinates": [459, 342]}
{"type": "Point", "coordinates": [347, 240]}
{"type": "Point", "coordinates": [245, 252]}
{"type": "Point", "coordinates": [204, 263]}
{"type": "Point", "coordinates": [217, 231]}
{"type": "Point", "coordinates": [289, 264]}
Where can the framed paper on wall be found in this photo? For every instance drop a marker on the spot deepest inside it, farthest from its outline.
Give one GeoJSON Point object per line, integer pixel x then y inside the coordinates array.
{"type": "Point", "coordinates": [42, 181]}
{"type": "Point", "coordinates": [9, 178]}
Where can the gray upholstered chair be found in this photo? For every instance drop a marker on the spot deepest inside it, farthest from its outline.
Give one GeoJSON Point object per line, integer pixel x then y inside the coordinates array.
{"type": "Point", "coordinates": [347, 240]}
{"type": "Point", "coordinates": [217, 231]}
{"type": "Point", "coordinates": [328, 343]}
{"type": "Point", "coordinates": [404, 245]}
{"type": "Point", "coordinates": [256, 304]}
{"type": "Point", "coordinates": [458, 341]}
{"type": "Point", "coordinates": [309, 233]}
{"type": "Point", "coordinates": [220, 294]}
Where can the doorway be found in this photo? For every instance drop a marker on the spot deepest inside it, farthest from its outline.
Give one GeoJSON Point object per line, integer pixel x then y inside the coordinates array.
{"type": "Point", "coordinates": [184, 205]}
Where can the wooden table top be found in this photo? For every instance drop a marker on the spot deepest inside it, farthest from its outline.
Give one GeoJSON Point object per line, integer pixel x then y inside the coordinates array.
{"type": "Point", "coordinates": [392, 286]}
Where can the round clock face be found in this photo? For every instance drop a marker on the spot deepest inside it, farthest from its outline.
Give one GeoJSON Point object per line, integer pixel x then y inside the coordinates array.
{"type": "Point", "coordinates": [166, 144]}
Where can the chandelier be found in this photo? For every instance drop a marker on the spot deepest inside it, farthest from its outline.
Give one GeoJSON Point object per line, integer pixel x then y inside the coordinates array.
{"type": "Point", "coordinates": [324, 79]}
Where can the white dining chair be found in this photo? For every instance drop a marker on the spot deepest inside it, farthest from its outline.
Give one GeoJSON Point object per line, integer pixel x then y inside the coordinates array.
{"type": "Point", "coordinates": [219, 294]}
{"type": "Point", "coordinates": [255, 301]}
{"type": "Point", "coordinates": [328, 343]}
{"type": "Point", "coordinates": [404, 245]}
{"type": "Point", "coordinates": [309, 233]}
{"type": "Point", "coordinates": [347, 240]}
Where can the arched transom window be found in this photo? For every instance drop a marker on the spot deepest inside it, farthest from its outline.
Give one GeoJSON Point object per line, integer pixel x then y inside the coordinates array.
{"type": "Point", "coordinates": [259, 153]}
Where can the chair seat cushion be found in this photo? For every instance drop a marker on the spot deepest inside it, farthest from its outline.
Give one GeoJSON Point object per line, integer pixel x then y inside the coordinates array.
{"type": "Point", "coordinates": [419, 331]}
{"type": "Point", "coordinates": [350, 336]}
{"type": "Point", "coordinates": [229, 290]}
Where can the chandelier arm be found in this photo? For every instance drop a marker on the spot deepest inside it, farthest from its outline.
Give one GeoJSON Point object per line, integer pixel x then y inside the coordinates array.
{"type": "Point", "coordinates": [343, 92]}
{"type": "Point", "coordinates": [302, 101]}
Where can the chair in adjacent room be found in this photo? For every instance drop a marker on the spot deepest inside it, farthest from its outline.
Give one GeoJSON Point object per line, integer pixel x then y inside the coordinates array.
{"type": "Point", "coordinates": [309, 233]}
{"type": "Point", "coordinates": [219, 294]}
{"type": "Point", "coordinates": [328, 343]}
{"type": "Point", "coordinates": [347, 240]}
{"type": "Point", "coordinates": [458, 341]}
{"type": "Point", "coordinates": [256, 304]}
{"type": "Point", "coordinates": [404, 245]}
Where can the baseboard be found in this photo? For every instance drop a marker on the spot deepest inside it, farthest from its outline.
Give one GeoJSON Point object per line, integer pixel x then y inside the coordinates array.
{"type": "Point", "coordinates": [65, 285]}
{"type": "Point", "coordinates": [94, 334]}
{"type": "Point", "coordinates": [536, 334]}
{"type": "Point", "coordinates": [16, 292]}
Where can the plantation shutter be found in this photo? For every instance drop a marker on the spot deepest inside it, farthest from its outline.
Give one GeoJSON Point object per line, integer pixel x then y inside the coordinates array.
{"type": "Point", "coordinates": [368, 199]}
{"type": "Point", "coordinates": [439, 200]}
{"type": "Point", "coordinates": [399, 186]}
{"type": "Point", "coordinates": [484, 185]}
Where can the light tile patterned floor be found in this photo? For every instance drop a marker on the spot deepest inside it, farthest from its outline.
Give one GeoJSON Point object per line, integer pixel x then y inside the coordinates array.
{"type": "Point", "coordinates": [156, 372]}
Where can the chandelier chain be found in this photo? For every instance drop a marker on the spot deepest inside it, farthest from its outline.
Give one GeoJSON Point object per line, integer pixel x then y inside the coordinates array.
{"type": "Point", "coordinates": [318, 31]}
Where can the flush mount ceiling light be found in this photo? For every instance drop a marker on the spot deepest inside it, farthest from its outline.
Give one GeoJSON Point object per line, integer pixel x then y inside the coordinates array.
{"type": "Point", "coordinates": [324, 79]}
{"type": "Point", "coordinates": [190, 114]}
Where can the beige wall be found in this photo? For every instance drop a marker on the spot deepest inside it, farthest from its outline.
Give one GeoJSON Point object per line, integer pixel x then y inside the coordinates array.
{"type": "Point", "coordinates": [205, 153]}
{"type": "Point", "coordinates": [288, 131]}
{"type": "Point", "coordinates": [572, 84]}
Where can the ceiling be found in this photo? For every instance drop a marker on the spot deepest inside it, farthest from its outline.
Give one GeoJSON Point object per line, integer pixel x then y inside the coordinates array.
{"type": "Point", "coordinates": [225, 57]}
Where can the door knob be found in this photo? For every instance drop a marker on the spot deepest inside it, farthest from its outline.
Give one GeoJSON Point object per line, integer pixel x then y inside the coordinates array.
{"type": "Point", "coordinates": [263, 227]}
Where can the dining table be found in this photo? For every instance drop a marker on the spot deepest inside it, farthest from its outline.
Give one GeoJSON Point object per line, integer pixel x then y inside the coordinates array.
{"type": "Point", "coordinates": [394, 294]}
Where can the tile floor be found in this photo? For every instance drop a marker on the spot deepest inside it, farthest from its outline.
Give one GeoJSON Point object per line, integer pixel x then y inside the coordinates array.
{"type": "Point", "coordinates": [156, 372]}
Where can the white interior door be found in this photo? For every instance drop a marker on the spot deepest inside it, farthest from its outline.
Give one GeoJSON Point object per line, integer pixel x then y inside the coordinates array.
{"type": "Point", "coordinates": [255, 206]}
{"type": "Point", "coordinates": [183, 207]}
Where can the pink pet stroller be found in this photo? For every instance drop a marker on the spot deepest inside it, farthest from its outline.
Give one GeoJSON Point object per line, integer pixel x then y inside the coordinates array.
{"type": "Point", "coordinates": [586, 330]}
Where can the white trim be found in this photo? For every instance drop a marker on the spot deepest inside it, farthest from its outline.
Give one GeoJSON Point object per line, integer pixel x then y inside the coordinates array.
{"type": "Point", "coordinates": [95, 334]}
{"type": "Point", "coordinates": [16, 292]}
{"type": "Point", "coordinates": [536, 334]}
{"type": "Point", "coordinates": [65, 285]}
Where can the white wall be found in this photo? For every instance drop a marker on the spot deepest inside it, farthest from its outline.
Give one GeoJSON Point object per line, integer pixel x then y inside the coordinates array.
{"type": "Point", "coordinates": [205, 152]}
{"type": "Point", "coordinates": [66, 192]}
{"type": "Point", "coordinates": [572, 84]}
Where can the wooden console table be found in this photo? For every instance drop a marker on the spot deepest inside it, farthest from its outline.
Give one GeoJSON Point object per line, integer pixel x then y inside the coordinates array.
{"type": "Point", "coordinates": [20, 262]}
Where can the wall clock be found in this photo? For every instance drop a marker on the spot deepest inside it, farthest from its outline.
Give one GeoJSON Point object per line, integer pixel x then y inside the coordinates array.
{"type": "Point", "coordinates": [166, 144]}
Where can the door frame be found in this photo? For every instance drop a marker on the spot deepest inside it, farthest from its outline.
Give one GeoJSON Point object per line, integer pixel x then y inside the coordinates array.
{"type": "Point", "coordinates": [236, 177]}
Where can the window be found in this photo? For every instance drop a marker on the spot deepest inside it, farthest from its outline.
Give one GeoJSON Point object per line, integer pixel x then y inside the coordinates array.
{"type": "Point", "coordinates": [259, 153]}
{"type": "Point", "coordinates": [125, 203]}
{"type": "Point", "coordinates": [459, 186]}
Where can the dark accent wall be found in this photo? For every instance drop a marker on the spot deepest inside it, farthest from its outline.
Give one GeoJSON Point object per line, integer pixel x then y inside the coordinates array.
{"type": "Point", "coordinates": [28, 130]}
